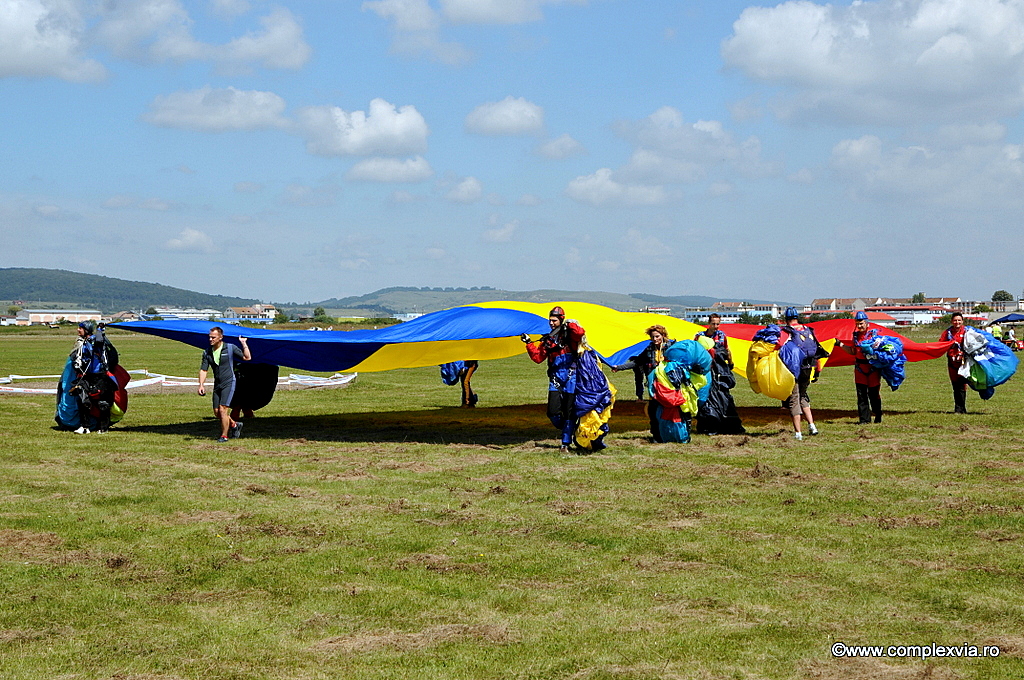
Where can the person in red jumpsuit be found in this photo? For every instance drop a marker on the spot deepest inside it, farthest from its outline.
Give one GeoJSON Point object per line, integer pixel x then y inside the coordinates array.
{"type": "Point", "coordinates": [560, 348]}
{"type": "Point", "coordinates": [866, 377]}
{"type": "Point", "coordinates": [955, 359]}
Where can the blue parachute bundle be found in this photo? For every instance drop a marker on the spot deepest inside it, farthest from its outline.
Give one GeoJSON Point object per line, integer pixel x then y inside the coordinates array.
{"type": "Point", "coordinates": [792, 357]}
{"type": "Point", "coordinates": [988, 363]}
{"type": "Point", "coordinates": [685, 357]}
{"type": "Point", "coordinates": [593, 404]}
{"type": "Point", "coordinates": [769, 333]}
{"type": "Point", "coordinates": [592, 390]}
{"type": "Point", "coordinates": [885, 353]}
{"type": "Point", "coordinates": [68, 415]}
{"type": "Point", "coordinates": [790, 353]}
{"type": "Point", "coordinates": [450, 372]}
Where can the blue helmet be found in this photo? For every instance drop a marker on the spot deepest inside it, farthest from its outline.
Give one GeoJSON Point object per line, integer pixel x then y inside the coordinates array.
{"type": "Point", "coordinates": [861, 316]}
{"type": "Point", "coordinates": [791, 313]}
{"type": "Point", "coordinates": [89, 326]}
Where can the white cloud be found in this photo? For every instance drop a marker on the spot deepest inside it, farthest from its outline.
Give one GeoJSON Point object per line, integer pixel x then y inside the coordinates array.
{"type": "Point", "coordinates": [560, 148]}
{"type": "Point", "coordinates": [391, 170]}
{"type": "Point", "coordinates": [468, 190]}
{"type": "Point", "coordinates": [280, 45]}
{"type": "Point", "coordinates": [502, 233]}
{"type": "Point", "coordinates": [968, 176]}
{"type": "Point", "coordinates": [496, 11]}
{"type": "Point", "coordinates": [160, 30]}
{"type": "Point", "coordinates": [721, 188]}
{"type": "Point", "coordinates": [301, 195]}
{"type": "Point", "coordinates": [416, 30]}
{"type": "Point", "coordinates": [331, 131]}
{"type": "Point", "coordinates": [510, 116]}
{"type": "Point", "coordinates": [191, 241]}
{"type": "Point", "coordinates": [668, 149]}
{"type": "Point", "coordinates": [48, 211]}
{"type": "Point", "coordinates": [886, 61]}
{"type": "Point", "coordinates": [601, 189]}
{"type": "Point", "coordinates": [400, 197]}
{"type": "Point", "coordinates": [230, 8]}
{"type": "Point", "coordinates": [802, 176]}
{"type": "Point", "coordinates": [45, 39]}
{"type": "Point", "coordinates": [122, 201]}
{"type": "Point", "coordinates": [970, 133]}
{"type": "Point", "coordinates": [118, 202]}
{"type": "Point", "coordinates": [416, 26]}
{"type": "Point", "coordinates": [408, 16]}
{"type": "Point", "coordinates": [217, 110]}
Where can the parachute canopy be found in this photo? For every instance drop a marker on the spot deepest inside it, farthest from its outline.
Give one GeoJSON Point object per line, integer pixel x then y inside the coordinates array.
{"type": "Point", "coordinates": [484, 331]}
{"type": "Point", "coordinates": [487, 330]}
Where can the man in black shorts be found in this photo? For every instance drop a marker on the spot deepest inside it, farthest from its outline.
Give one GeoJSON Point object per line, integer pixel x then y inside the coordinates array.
{"type": "Point", "coordinates": [222, 356]}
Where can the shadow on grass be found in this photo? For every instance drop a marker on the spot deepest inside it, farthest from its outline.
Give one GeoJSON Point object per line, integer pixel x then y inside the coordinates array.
{"type": "Point", "coordinates": [499, 426]}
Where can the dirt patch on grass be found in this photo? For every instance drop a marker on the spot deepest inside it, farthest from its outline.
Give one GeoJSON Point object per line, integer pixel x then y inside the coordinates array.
{"type": "Point", "coordinates": [1009, 645]}
{"type": "Point", "coordinates": [35, 546]}
{"type": "Point", "coordinates": [441, 564]}
{"type": "Point", "coordinates": [570, 508]}
{"type": "Point", "coordinates": [882, 522]}
{"type": "Point", "coordinates": [217, 516]}
{"type": "Point", "coordinates": [18, 635]}
{"type": "Point", "coordinates": [30, 545]}
{"type": "Point", "coordinates": [872, 669]}
{"type": "Point", "coordinates": [347, 476]}
{"type": "Point", "coordinates": [965, 506]}
{"type": "Point", "coordinates": [997, 535]}
{"type": "Point", "coordinates": [430, 637]}
{"type": "Point", "coordinates": [661, 565]}
{"type": "Point", "coordinates": [411, 466]}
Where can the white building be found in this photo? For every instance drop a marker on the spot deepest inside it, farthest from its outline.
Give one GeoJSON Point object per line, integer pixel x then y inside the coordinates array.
{"type": "Point", "coordinates": [731, 311]}
{"type": "Point", "coordinates": [190, 314]}
{"type": "Point", "coordinates": [254, 314]}
{"type": "Point", "coordinates": [33, 317]}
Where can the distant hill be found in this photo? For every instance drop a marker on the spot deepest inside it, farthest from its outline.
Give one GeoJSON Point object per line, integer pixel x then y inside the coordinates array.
{"type": "Point", "coordinates": [57, 287]}
{"type": "Point", "coordinates": [107, 294]}
{"type": "Point", "coordinates": [402, 300]}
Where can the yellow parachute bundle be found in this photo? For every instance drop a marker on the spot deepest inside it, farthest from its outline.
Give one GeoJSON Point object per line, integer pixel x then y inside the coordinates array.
{"type": "Point", "coordinates": [766, 372]}
{"type": "Point", "coordinates": [589, 427]}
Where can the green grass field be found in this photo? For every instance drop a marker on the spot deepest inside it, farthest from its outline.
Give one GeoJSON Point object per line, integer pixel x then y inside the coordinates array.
{"type": "Point", "coordinates": [377, 532]}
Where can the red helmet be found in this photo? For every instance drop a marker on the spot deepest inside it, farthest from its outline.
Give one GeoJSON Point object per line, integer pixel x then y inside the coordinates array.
{"type": "Point", "coordinates": [557, 311]}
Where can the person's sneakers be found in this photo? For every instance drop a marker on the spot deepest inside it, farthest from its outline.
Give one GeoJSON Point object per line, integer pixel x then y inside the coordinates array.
{"type": "Point", "coordinates": [236, 430]}
{"type": "Point", "coordinates": [798, 436]}
{"type": "Point", "coordinates": [564, 450]}
{"type": "Point", "coordinates": [82, 430]}
{"type": "Point", "coordinates": [222, 439]}
{"type": "Point", "coordinates": [101, 431]}
{"type": "Point", "coordinates": [814, 430]}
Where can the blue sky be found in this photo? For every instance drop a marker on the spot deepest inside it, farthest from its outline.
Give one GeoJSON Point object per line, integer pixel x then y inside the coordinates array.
{"type": "Point", "coordinates": [304, 150]}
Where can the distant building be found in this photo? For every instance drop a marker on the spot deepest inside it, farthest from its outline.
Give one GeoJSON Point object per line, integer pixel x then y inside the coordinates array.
{"type": "Point", "coordinates": [190, 314]}
{"type": "Point", "coordinates": [35, 317]}
{"type": "Point", "coordinates": [732, 311]}
{"type": "Point", "coordinates": [908, 315]}
{"type": "Point", "coordinates": [254, 314]}
{"type": "Point", "coordinates": [825, 305]}
{"type": "Point", "coordinates": [124, 316]}
{"type": "Point", "coordinates": [657, 310]}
